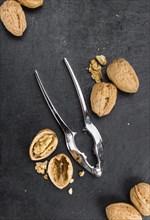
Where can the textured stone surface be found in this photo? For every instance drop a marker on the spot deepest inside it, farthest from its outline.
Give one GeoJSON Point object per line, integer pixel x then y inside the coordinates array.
{"type": "Point", "coordinates": [78, 30]}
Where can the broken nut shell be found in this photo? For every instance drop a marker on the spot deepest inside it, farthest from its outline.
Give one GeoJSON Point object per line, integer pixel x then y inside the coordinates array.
{"type": "Point", "coordinates": [60, 170]}
{"type": "Point", "coordinates": [44, 143]}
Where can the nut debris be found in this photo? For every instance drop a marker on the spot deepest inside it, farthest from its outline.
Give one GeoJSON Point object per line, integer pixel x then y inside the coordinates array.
{"type": "Point", "coordinates": [95, 70]}
{"type": "Point", "coordinates": [41, 167]}
{"type": "Point", "coordinates": [70, 191]}
{"type": "Point", "coordinates": [72, 180]}
{"type": "Point", "coordinates": [101, 60]}
{"type": "Point", "coordinates": [46, 176]}
{"type": "Point", "coordinates": [81, 173]}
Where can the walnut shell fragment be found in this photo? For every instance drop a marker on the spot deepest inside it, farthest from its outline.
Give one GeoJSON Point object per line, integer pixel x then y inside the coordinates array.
{"type": "Point", "coordinates": [122, 211]}
{"type": "Point", "coordinates": [13, 17]}
{"type": "Point", "coordinates": [140, 197]}
{"type": "Point", "coordinates": [31, 3]}
{"type": "Point", "coordinates": [121, 73]}
{"type": "Point", "coordinates": [44, 143]}
{"type": "Point", "coordinates": [60, 170]}
{"type": "Point", "coordinates": [103, 98]}
{"type": "Point", "coordinates": [95, 70]}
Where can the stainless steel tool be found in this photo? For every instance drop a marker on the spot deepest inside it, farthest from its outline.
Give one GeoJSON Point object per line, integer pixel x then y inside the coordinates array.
{"type": "Point", "coordinates": [79, 156]}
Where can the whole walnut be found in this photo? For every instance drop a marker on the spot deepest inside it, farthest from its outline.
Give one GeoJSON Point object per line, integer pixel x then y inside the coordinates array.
{"type": "Point", "coordinates": [103, 98]}
{"type": "Point", "coordinates": [140, 197]}
{"type": "Point", "coordinates": [122, 211]}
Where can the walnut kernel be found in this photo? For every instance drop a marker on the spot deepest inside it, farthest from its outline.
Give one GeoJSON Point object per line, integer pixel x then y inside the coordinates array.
{"type": "Point", "coordinates": [41, 167]}
{"type": "Point", "coordinates": [95, 70]}
{"type": "Point", "coordinates": [101, 60]}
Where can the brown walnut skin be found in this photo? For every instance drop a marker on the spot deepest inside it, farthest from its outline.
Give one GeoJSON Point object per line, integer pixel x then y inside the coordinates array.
{"type": "Point", "coordinates": [60, 170]}
{"type": "Point", "coordinates": [43, 144]}
{"type": "Point", "coordinates": [140, 197]}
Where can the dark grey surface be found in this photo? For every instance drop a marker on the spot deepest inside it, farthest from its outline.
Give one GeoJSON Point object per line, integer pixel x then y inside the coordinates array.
{"type": "Point", "coordinates": [78, 30]}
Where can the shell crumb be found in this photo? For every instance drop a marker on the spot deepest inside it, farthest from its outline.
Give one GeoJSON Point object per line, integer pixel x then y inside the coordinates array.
{"type": "Point", "coordinates": [81, 173]}
{"type": "Point", "coordinates": [70, 191]}
{"type": "Point", "coordinates": [45, 177]}
{"type": "Point", "coordinates": [72, 180]}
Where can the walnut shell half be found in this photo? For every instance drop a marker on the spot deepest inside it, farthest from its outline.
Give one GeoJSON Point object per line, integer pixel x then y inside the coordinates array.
{"type": "Point", "coordinates": [44, 143]}
{"type": "Point", "coordinates": [140, 197]}
{"type": "Point", "coordinates": [60, 170]}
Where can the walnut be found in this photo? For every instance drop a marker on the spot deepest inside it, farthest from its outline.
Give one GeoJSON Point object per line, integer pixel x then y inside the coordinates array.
{"type": "Point", "coordinates": [140, 197]}
{"type": "Point", "coordinates": [122, 211]}
{"type": "Point", "coordinates": [31, 3]}
{"type": "Point", "coordinates": [44, 143]}
{"type": "Point", "coordinates": [13, 17]}
{"type": "Point", "coordinates": [95, 70]}
{"type": "Point", "coordinates": [103, 98]}
{"type": "Point", "coordinates": [122, 74]}
{"type": "Point", "coordinates": [60, 170]}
